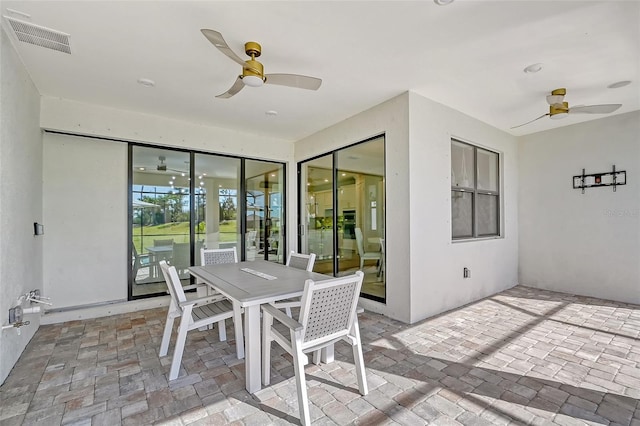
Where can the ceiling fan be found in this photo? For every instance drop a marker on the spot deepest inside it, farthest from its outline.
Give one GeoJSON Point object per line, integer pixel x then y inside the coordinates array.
{"type": "Point", "coordinates": [558, 108]}
{"type": "Point", "coordinates": [162, 167]}
{"type": "Point", "coordinates": [253, 72]}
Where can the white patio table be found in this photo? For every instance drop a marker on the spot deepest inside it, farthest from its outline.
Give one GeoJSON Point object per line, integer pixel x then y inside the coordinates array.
{"type": "Point", "coordinates": [250, 284]}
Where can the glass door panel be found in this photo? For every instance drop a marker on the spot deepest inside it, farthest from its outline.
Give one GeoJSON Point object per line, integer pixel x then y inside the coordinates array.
{"type": "Point", "coordinates": [161, 217]}
{"type": "Point", "coordinates": [264, 189]}
{"type": "Point", "coordinates": [217, 220]}
{"type": "Point", "coordinates": [316, 218]}
{"type": "Point", "coordinates": [353, 217]}
{"type": "Point", "coordinates": [361, 216]}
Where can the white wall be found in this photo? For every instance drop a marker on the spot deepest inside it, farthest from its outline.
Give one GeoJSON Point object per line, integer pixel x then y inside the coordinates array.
{"type": "Point", "coordinates": [424, 267]}
{"type": "Point", "coordinates": [391, 118]}
{"type": "Point", "coordinates": [437, 263]}
{"type": "Point", "coordinates": [586, 244]}
{"type": "Point", "coordinates": [85, 217]}
{"type": "Point", "coordinates": [20, 198]}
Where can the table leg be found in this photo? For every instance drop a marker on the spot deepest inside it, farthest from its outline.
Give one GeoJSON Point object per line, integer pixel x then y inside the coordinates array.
{"type": "Point", "coordinates": [252, 348]}
{"type": "Point", "coordinates": [327, 354]}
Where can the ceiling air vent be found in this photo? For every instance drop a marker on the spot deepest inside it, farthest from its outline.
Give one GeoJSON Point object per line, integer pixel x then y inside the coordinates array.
{"type": "Point", "coordinates": [40, 36]}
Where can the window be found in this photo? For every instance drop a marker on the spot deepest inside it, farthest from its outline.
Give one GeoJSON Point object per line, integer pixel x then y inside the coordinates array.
{"type": "Point", "coordinates": [475, 191]}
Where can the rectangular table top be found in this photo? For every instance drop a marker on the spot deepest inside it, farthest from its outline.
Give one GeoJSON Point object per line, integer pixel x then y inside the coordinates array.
{"type": "Point", "coordinates": [250, 288]}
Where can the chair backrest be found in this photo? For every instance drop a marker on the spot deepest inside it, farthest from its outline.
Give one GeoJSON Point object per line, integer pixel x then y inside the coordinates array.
{"type": "Point", "coordinates": [251, 238]}
{"type": "Point", "coordinates": [359, 241]}
{"type": "Point", "coordinates": [328, 308]}
{"type": "Point", "coordinates": [173, 283]}
{"type": "Point", "coordinates": [301, 261]}
{"type": "Point", "coordinates": [218, 256]}
{"type": "Point", "coordinates": [181, 255]}
{"type": "Point", "coordinates": [136, 261]}
{"type": "Point", "coordinates": [168, 242]}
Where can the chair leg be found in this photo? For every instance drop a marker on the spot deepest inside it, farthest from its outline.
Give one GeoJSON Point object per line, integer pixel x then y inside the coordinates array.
{"type": "Point", "coordinates": [359, 359]}
{"type": "Point", "coordinates": [288, 311]}
{"type": "Point", "coordinates": [222, 331]}
{"type": "Point", "coordinates": [166, 336]}
{"type": "Point", "coordinates": [237, 327]}
{"type": "Point", "coordinates": [361, 264]}
{"type": "Point", "coordinates": [180, 342]}
{"type": "Point", "coordinates": [267, 321]}
{"type": "Point", "coordinates": [301, 383]}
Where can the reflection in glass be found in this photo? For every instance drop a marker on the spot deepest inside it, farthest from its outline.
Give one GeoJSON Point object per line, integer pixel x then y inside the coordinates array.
{"type": "Point", "coordinates": [161, 216]}
{"type": "Point", "coordinates": [487, 214]}
{"type": "Point", "coordinates": [462, 165]}
{"type": "Point", "coordinates": [317, 211]}
{"type": "Point", "coordinates": [264, 237]}
{"type": "Point", "coordinates": [333, 222]}
{"type": "Point", "coordinates": [487, 170]}
{"type": "Point", "coordinates": [461, 214]}
{"type": "Point", "coordinates": [217, 183]}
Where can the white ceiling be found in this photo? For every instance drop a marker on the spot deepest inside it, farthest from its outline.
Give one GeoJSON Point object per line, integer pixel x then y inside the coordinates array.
{"type": "Point", "coordinates": [469, 55]}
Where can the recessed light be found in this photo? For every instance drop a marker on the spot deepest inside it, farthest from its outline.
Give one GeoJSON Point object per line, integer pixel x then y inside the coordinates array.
{"type": "Point", "coordinates": [533, 68]}
{"type": "Point", "coordinates": [146, 82]}
{"type": "Point", "coordinates": [141, 168]}
{"type": "Point", "coordinates": [271, 113]}
{"type": "Point", "coordinates": [442, 2]}
{"type": "Point", "coordinates": [619, 84]}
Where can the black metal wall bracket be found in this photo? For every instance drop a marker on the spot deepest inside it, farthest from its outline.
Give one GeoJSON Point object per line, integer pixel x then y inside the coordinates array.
{"type": "Point", "coordinates": [613, 178]}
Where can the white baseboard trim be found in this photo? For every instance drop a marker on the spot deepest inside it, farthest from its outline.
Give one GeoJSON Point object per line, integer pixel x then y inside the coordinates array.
{"type": "Point", "coordinates": [103, 310]}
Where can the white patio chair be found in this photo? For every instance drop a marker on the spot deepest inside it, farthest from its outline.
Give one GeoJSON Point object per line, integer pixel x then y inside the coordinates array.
{"type": "Point", "coordinates": [194, 313]}
{"type": "Point", "coordinates": [365, 255]}
{"type": "Point", "coordinates": [299, 261]}
{"type": "Point", "coordinates": [216, 257]}
{"type": "Point", "coordinates": [327, 315]}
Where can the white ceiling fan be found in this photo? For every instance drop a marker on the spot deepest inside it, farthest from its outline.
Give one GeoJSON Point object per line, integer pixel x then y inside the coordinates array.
{"type": "Point", "coordinates": [253, 72]}
{"type": "Point", "coordinates": [558, 108]}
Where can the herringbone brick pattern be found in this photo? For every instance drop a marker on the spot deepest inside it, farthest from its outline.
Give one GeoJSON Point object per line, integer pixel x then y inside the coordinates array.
{"type": "Point", "coordinates": [524, 356]}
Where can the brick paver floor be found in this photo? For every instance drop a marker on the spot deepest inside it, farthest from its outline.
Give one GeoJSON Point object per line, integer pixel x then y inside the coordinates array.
{"type": "Point", "coordinates": [523, 356]}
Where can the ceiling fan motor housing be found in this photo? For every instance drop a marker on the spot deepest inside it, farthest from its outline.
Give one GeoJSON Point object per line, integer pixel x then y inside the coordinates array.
{"type": "Point", "coordinates": [558, 109]}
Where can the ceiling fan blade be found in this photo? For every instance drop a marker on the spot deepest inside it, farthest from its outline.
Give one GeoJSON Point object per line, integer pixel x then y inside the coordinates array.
{"type": "Point", "coordinates": [218, 41]}
{"type": "Point", "coordinates": [237, 86]}
{"type": "Point", "coordinates": [594, 109]}
{"type": "Point", "coordinates": [294, 80]}
{"type": "Point", "coordinates": [535, 119]}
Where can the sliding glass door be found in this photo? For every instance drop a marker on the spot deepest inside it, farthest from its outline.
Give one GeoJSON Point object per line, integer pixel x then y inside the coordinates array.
{"type": "Point", "coordinates": [184, 201]}
{"type": "Point", "coordinates": [342, 213]}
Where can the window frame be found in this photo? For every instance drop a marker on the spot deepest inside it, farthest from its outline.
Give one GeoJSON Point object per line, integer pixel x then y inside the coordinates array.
{"type": "Point", "coordinates": [475, 191]}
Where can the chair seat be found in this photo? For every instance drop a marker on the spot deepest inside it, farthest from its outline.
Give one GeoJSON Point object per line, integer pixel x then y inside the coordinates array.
{"type": "Point", "coordinates": [203, 313]}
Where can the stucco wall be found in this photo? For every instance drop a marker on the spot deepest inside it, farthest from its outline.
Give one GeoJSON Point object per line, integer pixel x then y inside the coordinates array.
{"type": "Point", "coordinates": [587, 244]}
{"type": "Point", "coordinates": [20, 198]}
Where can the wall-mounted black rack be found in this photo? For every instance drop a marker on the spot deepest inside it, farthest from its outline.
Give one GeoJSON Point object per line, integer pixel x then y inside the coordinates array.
{"type": "Point", "coordinates": [613, 178]}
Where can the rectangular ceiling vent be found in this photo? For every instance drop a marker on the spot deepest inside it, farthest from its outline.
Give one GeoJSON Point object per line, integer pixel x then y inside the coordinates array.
{"type": "Point", "coordinates": [40, 36]}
